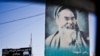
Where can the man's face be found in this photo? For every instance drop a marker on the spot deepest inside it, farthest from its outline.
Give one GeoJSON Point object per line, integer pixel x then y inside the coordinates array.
{"type": "Point", "coordinates": [66, 19]}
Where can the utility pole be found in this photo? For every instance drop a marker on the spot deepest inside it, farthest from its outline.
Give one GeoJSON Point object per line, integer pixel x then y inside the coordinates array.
{"type": "Point", "coordinates": [31, 44]}
{"type": "Point", "coordinates": [30, 41]}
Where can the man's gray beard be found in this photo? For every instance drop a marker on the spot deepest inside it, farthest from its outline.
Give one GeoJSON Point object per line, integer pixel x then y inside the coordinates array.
{"type": "Point", "coordinates": [66, 30]}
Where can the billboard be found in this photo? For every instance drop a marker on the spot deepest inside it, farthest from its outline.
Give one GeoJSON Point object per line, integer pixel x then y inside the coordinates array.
{"type": "Point", "coordinates": [17, 52]}
{"type": "Point", "coordinates": [67, 31]}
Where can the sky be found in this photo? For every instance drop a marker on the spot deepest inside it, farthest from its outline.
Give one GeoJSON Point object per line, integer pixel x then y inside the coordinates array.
{"type": "Point", "coordinates": [15, 33]}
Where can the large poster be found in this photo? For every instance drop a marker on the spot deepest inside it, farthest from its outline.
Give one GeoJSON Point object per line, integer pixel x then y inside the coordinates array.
{"type": "Point", "coordinates": [67, 31]}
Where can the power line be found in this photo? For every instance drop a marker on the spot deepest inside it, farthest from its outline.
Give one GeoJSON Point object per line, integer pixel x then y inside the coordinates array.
{"type": "Point", "coordinates": [21, 28]}
{"type": "Point", "coordinates": [15, 8]}
{"type": "Point", "coordinates": [21, 18]}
